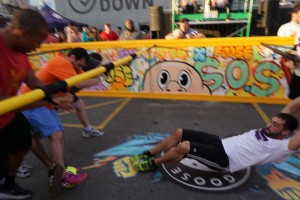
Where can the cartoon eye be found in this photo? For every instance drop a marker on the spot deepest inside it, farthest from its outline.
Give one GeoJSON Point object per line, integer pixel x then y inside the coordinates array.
{"type": "Point", "coordinates": [163, 79]}
{"type": "Point", "coordinates": [184, 80]}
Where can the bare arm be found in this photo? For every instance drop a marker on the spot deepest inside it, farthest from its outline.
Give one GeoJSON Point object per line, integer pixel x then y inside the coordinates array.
{"type": "Point", "coordinates": [32, 81]}
{"type": "Point", "coordinates": [294, 142]}
{"type": "Point", "coordinates": [171, 36]}
{"type": "Point", "coordinates": [88, 83]}
{"type": "Point", "coordinates": [293, 107]}
{"type": "Point", "coordinates": [200, 35]}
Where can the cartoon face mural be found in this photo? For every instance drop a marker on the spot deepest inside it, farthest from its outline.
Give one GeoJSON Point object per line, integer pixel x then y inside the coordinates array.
{"type": "Point", "coordinates": [174, 76]}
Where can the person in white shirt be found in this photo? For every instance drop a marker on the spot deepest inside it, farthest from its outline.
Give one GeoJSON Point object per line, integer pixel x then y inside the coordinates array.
{"type": "Point", "coordinates": [255, 147]}
{"type": "Point", "coordinates": [184, 31]}
{"type": "Point", "coordinates": [292, 29]}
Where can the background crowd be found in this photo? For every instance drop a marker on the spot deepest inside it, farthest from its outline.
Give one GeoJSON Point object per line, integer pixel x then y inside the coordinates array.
{"type": "Point", "coordinates": [73, 33]}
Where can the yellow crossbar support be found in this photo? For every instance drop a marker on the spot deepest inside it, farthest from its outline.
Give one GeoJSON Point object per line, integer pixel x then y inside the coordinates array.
{"type": "Point", "coordinates": [16, 102]}
{"type": "Point", "coordinates": [187, 97]}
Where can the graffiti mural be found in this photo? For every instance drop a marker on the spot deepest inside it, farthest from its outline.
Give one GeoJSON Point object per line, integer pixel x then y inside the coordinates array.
{"type": "Point", "coordinates": [283, 178]}
{"type": "Point", "coordinates": [122, 167]}
{"type": "Point", "coordinates": [227, 71]}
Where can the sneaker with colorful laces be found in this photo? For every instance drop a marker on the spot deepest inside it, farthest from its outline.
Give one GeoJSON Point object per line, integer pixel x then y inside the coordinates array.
{"type": "Point", "coordinates": [71, 180]}
{"type": "Point", "coordinates": [143, 156]}
{"type": "Point", "coordinates": [144, 165]}
{"type": "Point", "coordinates": [92, 132]}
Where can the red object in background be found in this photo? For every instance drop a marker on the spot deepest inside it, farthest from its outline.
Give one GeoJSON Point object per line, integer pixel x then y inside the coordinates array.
{"type": "Point", "coordinates": [50, 39]}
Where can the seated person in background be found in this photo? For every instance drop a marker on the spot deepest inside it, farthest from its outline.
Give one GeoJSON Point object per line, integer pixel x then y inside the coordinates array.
{"type": "Point", "coordinates": [184, 31]}
{"type": "Point", "coordinates": [220, 5]}
{"type": "Point", "coordinates": [292, 29]}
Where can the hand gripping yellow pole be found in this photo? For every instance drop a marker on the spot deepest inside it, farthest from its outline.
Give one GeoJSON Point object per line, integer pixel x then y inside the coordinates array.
{"type": "Point", "coordinates": [16, 102]}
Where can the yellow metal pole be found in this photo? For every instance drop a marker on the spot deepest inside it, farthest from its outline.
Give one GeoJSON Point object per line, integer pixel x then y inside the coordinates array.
{"type": "Point", "coordinates": [16, 102]}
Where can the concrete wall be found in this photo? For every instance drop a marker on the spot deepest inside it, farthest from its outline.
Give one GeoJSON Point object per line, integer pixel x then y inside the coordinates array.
{"type": "Point", "coordinates": [97, 12]}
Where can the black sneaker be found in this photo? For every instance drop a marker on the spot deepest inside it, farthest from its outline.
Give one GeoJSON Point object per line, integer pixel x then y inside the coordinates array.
{"type": "Point", "coordinates": [14, 192]}
{"type": "Point", "coordinates": [55, 176]}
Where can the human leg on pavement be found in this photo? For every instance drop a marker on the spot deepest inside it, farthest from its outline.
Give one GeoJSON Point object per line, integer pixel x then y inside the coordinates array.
{"type": "Point", "coordinates": [39, 151]}
{"type": "Point", "coordinates": [88, 130]}
{"type": "Point", "coordinates": [174, 150]}
{"type": "Point", "coordinates": [50, 126]}
{"type": "Point", "coordinates": [173, 140]}
{"type": "Point", "coordinates": [15, 142]}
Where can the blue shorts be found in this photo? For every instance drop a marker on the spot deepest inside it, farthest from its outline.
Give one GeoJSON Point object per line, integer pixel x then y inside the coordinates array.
{"type": "Point", "coordinates": [44, 120]}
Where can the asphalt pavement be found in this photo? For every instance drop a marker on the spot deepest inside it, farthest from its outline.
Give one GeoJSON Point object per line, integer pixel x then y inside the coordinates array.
{"type": "Point", "coordinates": [131, 125]}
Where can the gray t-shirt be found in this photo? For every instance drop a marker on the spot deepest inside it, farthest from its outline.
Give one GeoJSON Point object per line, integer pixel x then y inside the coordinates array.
{"type": "Point", "coordinates": [135, 35]}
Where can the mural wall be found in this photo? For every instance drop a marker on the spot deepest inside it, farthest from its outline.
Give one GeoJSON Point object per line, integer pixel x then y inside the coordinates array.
{"type": "Point", "coordinates": [216, 70]}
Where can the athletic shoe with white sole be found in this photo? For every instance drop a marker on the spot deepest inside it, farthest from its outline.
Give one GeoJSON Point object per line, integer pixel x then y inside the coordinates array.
{"type": "Point", "coordinates": [93, 132]}
{"type": "Point", "coordinates": [23, 172]}
{"type": "Point", "coordinates": [71, 180]}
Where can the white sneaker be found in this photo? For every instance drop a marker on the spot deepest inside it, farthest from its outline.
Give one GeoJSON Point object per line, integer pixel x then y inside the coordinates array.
{"type": "Point", "coordinates": [92, 132]}
{"type": "Point", "coordinates": [23, 172]}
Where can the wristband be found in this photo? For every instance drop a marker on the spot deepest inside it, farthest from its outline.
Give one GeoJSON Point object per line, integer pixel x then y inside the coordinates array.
{"type": "Point", "coordinates": [50, 100]}
{"type": "Point", "coordinates": [75, 98]}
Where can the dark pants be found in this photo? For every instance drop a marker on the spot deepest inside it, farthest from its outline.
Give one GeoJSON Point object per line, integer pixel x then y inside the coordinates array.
{"type": "Point", "coordinates": [294, 87]}
{"type": "Point", "coordinates": [14, 138]}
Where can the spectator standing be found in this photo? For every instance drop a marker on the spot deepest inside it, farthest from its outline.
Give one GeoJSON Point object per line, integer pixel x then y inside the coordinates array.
{"type": "Point", "coordinates": [62, 37]}
{"type": "Point", "coordinates": [292, 29]}
{"type": "Point", "coordinates": [51, 39]}
{"type": "Point", "coordinates": [130, 33]}
{"type": "Point", "coordinates": [73, 33]}
{"type": "Point", "coordinates": [119, 30]}
{"type": "Point", "coordinates": [95, 33]}
{"type": "Point", "coordinates": [107, 34]}
{"type": "Point", "coordinates": [85, 35]}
